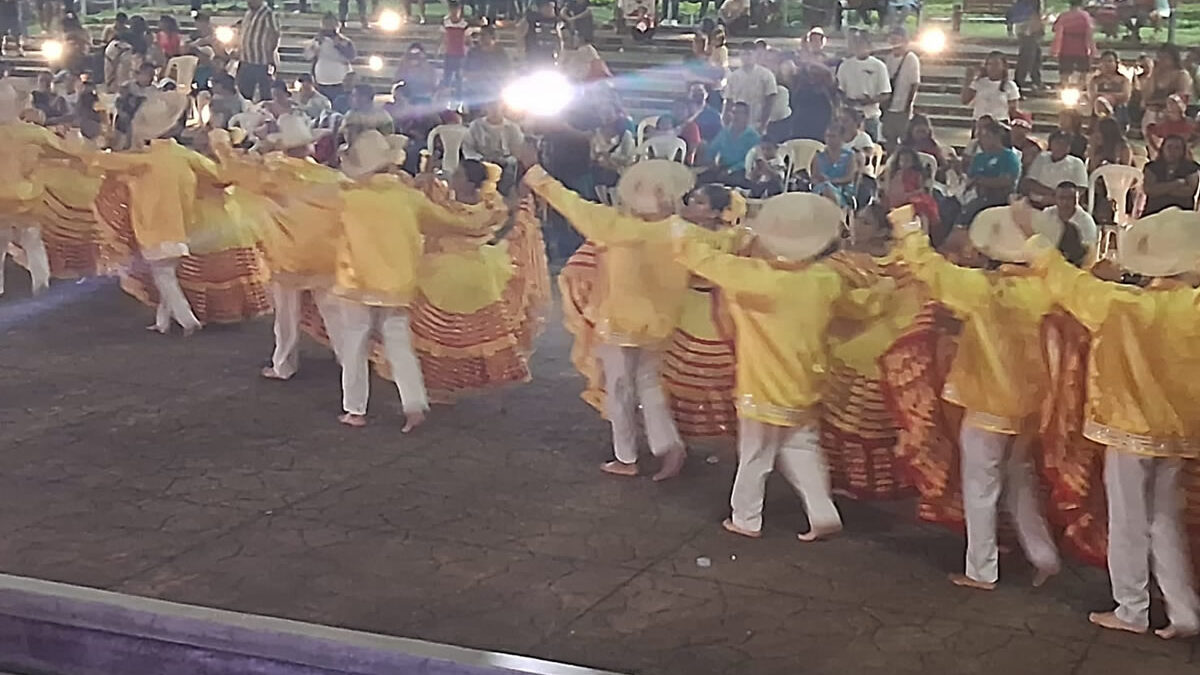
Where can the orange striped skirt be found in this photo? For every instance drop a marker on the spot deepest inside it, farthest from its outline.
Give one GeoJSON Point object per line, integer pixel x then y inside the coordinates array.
{"type": "Point", "coordinates": [860, 436]}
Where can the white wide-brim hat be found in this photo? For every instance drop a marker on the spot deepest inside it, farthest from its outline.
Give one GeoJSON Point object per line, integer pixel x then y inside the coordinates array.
{"type": "Point", "coordinates": [997, 235]}
{"type": "Point", "coordinates": [644, 185]}
{"type": "Point", "coordinates": [294, 132]}
{"type": "Point", "coordinates": [1162, 245]}
{"type": "Point", "coordinates": [158, 114]}
{"type": "Point", "coordinates": [372, 152]}
{"type": "Point", "coordinates": [796, 226]}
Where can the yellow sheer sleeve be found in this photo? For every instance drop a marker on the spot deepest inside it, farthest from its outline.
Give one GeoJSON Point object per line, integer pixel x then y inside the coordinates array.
{"type": "Point", "coordinates": [597, 222]}
{"type": "Point", "coordinates": [959, 288]}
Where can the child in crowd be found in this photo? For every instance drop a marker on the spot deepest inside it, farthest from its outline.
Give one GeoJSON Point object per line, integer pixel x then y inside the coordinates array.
{"type": "Point", "coordinates": [765, 170]}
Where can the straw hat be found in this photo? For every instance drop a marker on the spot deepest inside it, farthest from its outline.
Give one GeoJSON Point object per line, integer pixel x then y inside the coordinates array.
{"type": "Point", "coordinates": [158, 114]}
{"type": "Point", "coordinates": [997, 235]}
{"type": "Point", "coordinates": [644, 185]}
{"type": "Point", "coordinates": [796, 226]}
{"type": "Point", "coordinates": [294, 132]}
{"type": "Point", "coordinates": [372, 152]}
{"type": "Point", "coordinates": [1162, 245]}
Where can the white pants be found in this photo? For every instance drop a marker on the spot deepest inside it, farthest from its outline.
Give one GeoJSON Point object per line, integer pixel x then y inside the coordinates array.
{"type": "Point", "coordinates": [1144, 529]}
{"type": "Point", "coordinates": [993, 463]}
{"type": "Point", "coordinates": [172, 303]}
{"type": "Point", "coordinates": [354, 324]}
{"type": "Point", "coordinates": [631, 376]}
{"type": "Point", "coordinates": [30, 241]}
{"type": "Point", "coordinates": [285, 360]}
{"type": "Point", "coordinates": [797, 452]}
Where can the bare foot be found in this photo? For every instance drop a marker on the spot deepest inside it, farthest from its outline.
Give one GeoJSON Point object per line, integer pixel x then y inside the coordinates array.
{"type": "Point", "coordinates": [617, 468]}
{"type": "Point", "coordinates": [967, 582]}
{"type": "Point", "coordinates": [1109, 620]}
{"type": "Point", "coordinates": [190, 331]}
{"type": "Point", "coordinates": [154, 328]}
{"type": "Point", "coordinates": [730, 527]}
{"type": "Point", "coordinates": [270, 374]}
{"type": "Point", "coordinates": [672, 464]}
{"type": "Point", "coordinates": [814, 534]}
{"type": "Point", "coordinates": [412, 420]}
{"type": "Point", "coordinates": [352, 420]}
{"type": "Point", "coordinates": [1171, 632]}
{"type": "Point", "coordinates": [1040, 577]}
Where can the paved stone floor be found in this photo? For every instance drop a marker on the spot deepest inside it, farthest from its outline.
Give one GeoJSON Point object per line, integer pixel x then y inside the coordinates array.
{"type": "Point", "coordinates": [165, 467]}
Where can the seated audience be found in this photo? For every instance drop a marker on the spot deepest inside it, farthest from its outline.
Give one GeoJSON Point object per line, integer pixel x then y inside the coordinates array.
{"type": "Point", "coordinates": [364, 115]}
{"type": "Point", "coordinates": [765, 170]}
{"type": "Point", "coordinates": [992, 174]}
{"type": "Point", "coordinates": [1051, 169]}
{"type": "Point", "coordinates": [1080, 234]}
{"type": "Point", "coordinates": [312, 102]}
{"type": "Point", "coordinates": [906, 184]}
{"type": "Point", "coordinates": [726, 155]}
{"type": "Point", "coordinates": [1172, 179]}
{"type": "Point", "coordinates": [836, 169]}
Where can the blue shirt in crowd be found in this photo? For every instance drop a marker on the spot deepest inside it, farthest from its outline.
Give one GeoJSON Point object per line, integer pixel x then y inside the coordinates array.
{"type": "Point", "coordinates": [730, 150]}
{"type": "Point", "coordinates": [1003, 162]}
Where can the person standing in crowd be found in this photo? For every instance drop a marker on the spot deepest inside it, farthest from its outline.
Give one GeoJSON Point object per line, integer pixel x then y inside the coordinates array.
{"type": "Point", "coordinates": [992, 175]}
{"type": "Point", "coordinates": [990, 92]}
{"type": "Point", "coordinates": [1110, 87]}
{"type": "Point", "coordinates": [864, 83]}
{"type": "Point", "coordinates": [726, 154]}
{"type": "Point", "coordinates": [753, 85]}
{"type": "Point", "coordinates": [577, 14]}
{"type": "Point", "coordinates": [540, 34]}
{"type": "Point", "coordinates": [454, 46]}
{"type": "Point", "coordinates": [1030, 33]}
{"type": "Point", "coordinates": [813, 90]}
{"type": "Point", "coordinates": [904, 72]}
{"type": "Point", "coordinates": [1074, 42]}
{"type": "Point", "coordinates": [1172, 179]}
{"type": "Point", "coordinates": [310, 100]}
{"type": "Point", "coordinates": [259, 51]}
{"type": "Point", "coordinates": [486, 67]}
{"type": "Point", "coordinates": [331, 54]}
{"type": "Point", "coordinates": [344, 12]}
{"type": "Point", "coordinates": [119, 25]}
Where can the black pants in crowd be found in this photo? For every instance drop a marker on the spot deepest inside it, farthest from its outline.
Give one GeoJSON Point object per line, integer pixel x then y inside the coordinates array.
{"type": "Point", "coordinates": [252, 77]}
{"type": "Point", "coordinates": [1029, 61]}
{"type": "Point", "coordinates": [344, 10]}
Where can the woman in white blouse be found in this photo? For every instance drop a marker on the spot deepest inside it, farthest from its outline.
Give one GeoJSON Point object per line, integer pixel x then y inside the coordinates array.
{"type": "Point", "coordinates": [991, 92]}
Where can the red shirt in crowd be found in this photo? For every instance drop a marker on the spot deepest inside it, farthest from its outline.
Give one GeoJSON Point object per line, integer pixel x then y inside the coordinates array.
{"type": "Point", "coordinates": [171, 44]}
{"type": "Point", "coordinates": [454, 42]}
{"type": "Point", "coordinates": [690, 133]}
{"type": "Point", "coordinates": [1073, 34]}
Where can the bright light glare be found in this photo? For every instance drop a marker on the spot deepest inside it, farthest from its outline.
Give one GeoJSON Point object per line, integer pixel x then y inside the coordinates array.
{"type": "Point", "coordinates": [375, 62]}
{"type": "Point", "coordinates": [224, 34]}
{"type": "Point", "coordinates": [932, 41]}
{"type": "Point", "coordinates": [390, 20]}
{"type": "Point", "coordinates": [52, 50]}
{"type": "Point", "coordinates": [1070, 97]}
{"type": "Point", "coordinates": [542, 94]}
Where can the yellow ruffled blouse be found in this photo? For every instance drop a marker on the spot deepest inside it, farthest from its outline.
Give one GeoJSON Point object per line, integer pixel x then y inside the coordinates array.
{"type": "Point", "coordinates": [641, 298]}
{"type": "Point", "coordinates": [998, 374]}
{"type": "Point", "coordinates": [859, 344]}
{"type": "Point", "coordinates": [380, 246]}
{"type": "Point", "coordinates": [780, 316]}
{"type": "Point", "coordinates": [1143, 382]}
{"type": "Point", "coordinates": [27, 145]}
{"type": "Point", "coordinates": [162, 184]}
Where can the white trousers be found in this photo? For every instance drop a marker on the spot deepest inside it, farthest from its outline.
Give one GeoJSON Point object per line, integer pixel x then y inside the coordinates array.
{"type": "Point", "coordinates": [285, 360]}
{"type": "Point", "coordinates": [172, 303]}
{"type": "Point", "coordinates": [355, 323]}
{"type": "Point", "coordinates": [1144, 530]}
{"type": "Point", "coordinates": [993, 463]}
{"type": "Point", "coordinates": [797, 452]}
{"type": "Point", "coordinates": [631, 376]}
{"type": "Point", "coordinates": [30, 241]}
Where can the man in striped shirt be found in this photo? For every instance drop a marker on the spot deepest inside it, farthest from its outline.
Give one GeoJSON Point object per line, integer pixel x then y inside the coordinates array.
{"type": "Point", "coordinates": [259, 53]}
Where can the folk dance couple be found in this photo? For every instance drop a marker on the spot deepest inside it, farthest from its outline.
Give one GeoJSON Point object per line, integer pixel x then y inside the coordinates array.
{"type": "Point", "coordinates": [414, 266]}
{"type": "Point", "coordinates": [780, 304]}
{"type": "Point", "coordinates": [1137, 401]}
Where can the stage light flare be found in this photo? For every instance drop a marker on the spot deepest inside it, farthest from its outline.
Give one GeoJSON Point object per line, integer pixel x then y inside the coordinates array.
{"type": "Point", "coordinates": [390, 20]}
{"type": "Point", "coordinates": [541, 94]}
{"type": "Point", "coordinates": [1070, 97]}
{"type": "Point", "coordinates": [932, 41]}
{"type": "Point", "coordinates": [375, 62]}
{"type": "Point", "coordinates": [224, 34]}
{"type": "Point", "coordinates": [52, 50]}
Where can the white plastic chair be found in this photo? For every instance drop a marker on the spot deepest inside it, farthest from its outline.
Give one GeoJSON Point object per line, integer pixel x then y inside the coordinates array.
{"type": "Point", "coordinates": [182, 69]}
{"type": "Point", "coordinates": [606, 195]}
{"type": "Point", "coordinates": [798, 155]}
{"type": "Point", "coordinates": [1118, 181]}
{"type": "Point", "coordinates": [874, 161]}
{"type": "Point", "coordinates": [646, 124]}
{"type": "Point", "coordinates": [452, 137]}
{"type": "Point", "coordinates": [674, 149]}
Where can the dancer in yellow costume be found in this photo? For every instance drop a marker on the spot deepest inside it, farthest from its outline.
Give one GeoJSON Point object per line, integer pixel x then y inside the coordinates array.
{"type": "Point", "coordinates": [475, 318]}
{"type": "Point", "coordinates": [999, 376]}
{"type": "Point", "coordinates": [165, 206]}
{"type": "Point", "coordinates": [635, 303]}
{"type": "Point", "coordinates": [21, 188]}
{"type": "Point", "coordinates": [298, 201]}
{"type": "Point", "coordinates": [699, 365]}
{"type": "Point", "coordinates": [858, 431]}
{"type": "Point", "coordinates": [1141, 404]}
{"type": "Point", "coordinates": [781, 302]}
